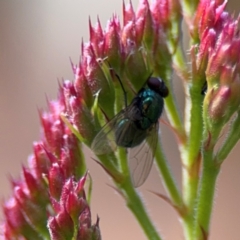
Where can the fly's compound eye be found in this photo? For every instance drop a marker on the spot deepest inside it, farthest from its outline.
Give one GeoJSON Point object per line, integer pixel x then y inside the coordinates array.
{"type": "Point", "coordinates": [157, 85]}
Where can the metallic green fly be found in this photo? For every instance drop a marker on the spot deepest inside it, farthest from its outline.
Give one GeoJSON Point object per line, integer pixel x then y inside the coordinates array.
{"type": "Point", "coordinates": [136, 129]}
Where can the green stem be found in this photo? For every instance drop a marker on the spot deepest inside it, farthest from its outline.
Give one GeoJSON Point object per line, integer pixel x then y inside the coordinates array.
{"type": "Point", "coordinates": [190, 184]}
{"type": "Point", "coordinates": [168, 180]}
{"type": "Point", "coordinates": [231, 140]}
{"type": "Point", "coordinates": [189, 191]}
{"type": "Point", "coordinates": [188, 226]}
{"type": "Point", "coordinates": [136, 206]}
{"type": "Point", "coordinates": [191, 156]}
{"type": "Point", "coordinates": [206, 195]}
{"type": "Point", "coordinates": [191, 152]}
{"type": "Point", "coordinates": [195, 121]}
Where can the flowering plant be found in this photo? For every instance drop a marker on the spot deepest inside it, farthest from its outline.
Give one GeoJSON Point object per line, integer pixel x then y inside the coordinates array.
{"type": "Point", "coordinates": [50, 201]}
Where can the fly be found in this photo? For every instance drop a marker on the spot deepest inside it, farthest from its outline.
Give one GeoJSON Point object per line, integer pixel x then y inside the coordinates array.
{"type": "Point", "coordinates": [136, 129]}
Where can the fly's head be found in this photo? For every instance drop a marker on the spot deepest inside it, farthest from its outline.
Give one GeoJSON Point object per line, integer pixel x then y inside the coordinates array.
{"type": "Point", "coordinates": [158, 85]}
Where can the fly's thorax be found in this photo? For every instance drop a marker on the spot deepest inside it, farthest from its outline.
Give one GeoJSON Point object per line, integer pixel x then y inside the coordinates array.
{"type": "Point", "coordinates": [151, 107]}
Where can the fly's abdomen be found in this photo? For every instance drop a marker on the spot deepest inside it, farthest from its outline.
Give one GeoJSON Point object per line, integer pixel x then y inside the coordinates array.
{"type": "Point", "coordinates": [128, 135]}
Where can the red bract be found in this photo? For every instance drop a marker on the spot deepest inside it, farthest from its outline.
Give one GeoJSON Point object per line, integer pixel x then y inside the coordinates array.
{"type": "Point", "coordinates": [210, 14]}
{"type": "Point", "coordinates": [113, 48]}
{"type": "Point", "coordinates": [139, 41]}
{"type": "Point", "coordinates": [56, 158]}
{"type": "Point", "coordinates": [16, 224]}
{"type": "Point", "coordinates": [72, 212]}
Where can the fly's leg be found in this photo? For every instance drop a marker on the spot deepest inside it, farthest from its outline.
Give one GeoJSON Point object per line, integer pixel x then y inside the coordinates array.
{"type": "Point", "coordinates": [121, 84]}
{"type": "Point", "coordinates": [124, 91]}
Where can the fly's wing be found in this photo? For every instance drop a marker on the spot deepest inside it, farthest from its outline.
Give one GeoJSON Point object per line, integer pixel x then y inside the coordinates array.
{"type": "Point", "coordinates": [105, 141]}
{"type": "Point", "coordinates": [140, 158]}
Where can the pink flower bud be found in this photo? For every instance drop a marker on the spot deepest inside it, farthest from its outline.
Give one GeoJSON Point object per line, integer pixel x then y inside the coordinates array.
{"type": "Point", "coordinates": [53, 128]}
{"type": "Point", "coordinates": [65, 223]}
{"type": "Point", "coordinates": [97, 38]}
{"type": "Point", "coordinates": [86, 233]}
{"type": "Point", "coordinates": [82, 86]}
{"type": "Point", "coordinates": [161, 11]}
{"type": "Point", "coordinates": [56, 181]}
{"type": "Point", "coordinates": [149, 30]}
{"type": "Point", "coordinates": [40, 162]}
{"type": "Point", "coordinates": [207, 43]}
{"type": "Point", "coordinates": [75, 206]}
{"type": "Point", "coordinates": [210, 14]}
{"type": "Point", "coordinates": [72, 212]}
{"type": "Point", "coordinates": [55, 230]}
{"type": "Point", "coordinates": [33, 211]}
{"type": "Point", "coordinates": [219, 103]}
{"type": "Point", "coordinates": [16, 224]}
{"type": "Point", "coordinates": [113, 48]}
{"type": "Point", "coordinates": [35, 188]}
{"type": "Point", "coordinates": [81, 118]}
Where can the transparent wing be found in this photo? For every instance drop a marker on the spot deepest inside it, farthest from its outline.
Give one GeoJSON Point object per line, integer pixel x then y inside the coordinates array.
{"type": "Point", "coordinates": [140, 158]}
{"type": "Point", "coordinates": [105, 141]}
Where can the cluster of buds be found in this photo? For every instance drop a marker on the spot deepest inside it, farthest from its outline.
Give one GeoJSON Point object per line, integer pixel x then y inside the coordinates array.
{"type": "Point", "coordinates": [49, 201]}
{"type": "Point", "coordinates": [135, 50]}
{"type": "Point", "coordinates": [73, 219]}
{"type": "Point", "coordinates": [140, 47]}
{"type": "Point", "coordinates": [218, 61]}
